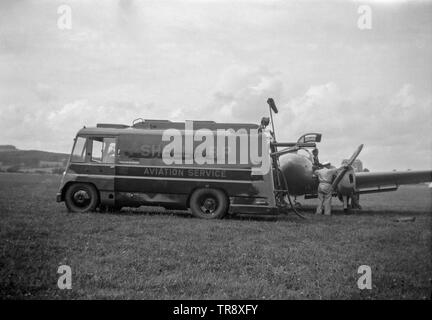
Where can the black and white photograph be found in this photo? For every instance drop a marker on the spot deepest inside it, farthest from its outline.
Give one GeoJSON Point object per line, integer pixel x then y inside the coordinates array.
{"type": "Point", "coordinates": [218, 155]}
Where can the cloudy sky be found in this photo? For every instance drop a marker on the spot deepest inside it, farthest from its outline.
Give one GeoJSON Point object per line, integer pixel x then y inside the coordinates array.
{"type": "Point", "coordinates": [221, 60]}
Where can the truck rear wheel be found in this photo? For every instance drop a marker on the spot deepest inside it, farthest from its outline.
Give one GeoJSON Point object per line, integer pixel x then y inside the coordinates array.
{"type": "Point", "coordinates": [208, 204]}
{"type": "Point", "coordinates": [81, 197]}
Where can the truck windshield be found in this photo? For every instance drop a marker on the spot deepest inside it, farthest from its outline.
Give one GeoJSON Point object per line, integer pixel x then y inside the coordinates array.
{"type": "Point", "coordinates": [79, 151]}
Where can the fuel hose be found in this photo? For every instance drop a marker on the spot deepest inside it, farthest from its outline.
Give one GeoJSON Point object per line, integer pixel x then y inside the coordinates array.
{"type": "Point", "coordinates": [289, 197]}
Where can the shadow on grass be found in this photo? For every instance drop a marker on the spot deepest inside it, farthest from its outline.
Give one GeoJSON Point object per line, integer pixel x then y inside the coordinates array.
{"type": "Point", "coordinates": [155, 211]}
{"type": "Point", "coordinates": [338, 211]}
{"type": "Point", "coordinates": [186, 214]}
{"type": "Point", "coordinates": [308, 211]}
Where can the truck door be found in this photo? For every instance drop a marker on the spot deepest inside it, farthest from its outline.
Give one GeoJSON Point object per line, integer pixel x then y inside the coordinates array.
{"type": "Point", "coordinates": [102, 160]}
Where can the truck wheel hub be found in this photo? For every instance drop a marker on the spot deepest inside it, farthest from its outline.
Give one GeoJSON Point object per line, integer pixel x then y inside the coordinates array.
{"type": "Point", "coordinates": [209, 205]}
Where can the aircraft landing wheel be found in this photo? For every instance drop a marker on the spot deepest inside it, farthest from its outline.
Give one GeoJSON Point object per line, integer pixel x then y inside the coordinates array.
{"type": "Point", "coordinates": [209, 204]}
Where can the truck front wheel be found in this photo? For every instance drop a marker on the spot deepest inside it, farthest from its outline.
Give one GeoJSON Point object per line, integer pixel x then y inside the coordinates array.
{"type": "Point", "coordinates": [208, 204]}
{"type": "Point", "coordinates": [81, 197]}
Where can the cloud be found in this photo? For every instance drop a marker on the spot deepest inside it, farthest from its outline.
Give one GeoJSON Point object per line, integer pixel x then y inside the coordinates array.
{"type": "Point", "coordinates": [212, 61]}
{"type": "Point", "coordinates": [45, 92]}
{"type": "Point", "coordinates": [241, 94]}
{"type": "Point", "coordinates": [41, 128]}
{"type": "Point", "coordinates": [394, 128]}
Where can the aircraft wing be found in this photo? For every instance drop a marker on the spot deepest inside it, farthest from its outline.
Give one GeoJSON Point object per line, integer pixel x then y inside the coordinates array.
{"type": "Point", "coordinates": [387, 181]}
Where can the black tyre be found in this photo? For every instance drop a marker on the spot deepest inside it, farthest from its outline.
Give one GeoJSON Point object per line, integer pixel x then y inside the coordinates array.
{"type": "Point", "coordinates": [209, 204]}
{"type": "Point", "coordinates": [81, 197]}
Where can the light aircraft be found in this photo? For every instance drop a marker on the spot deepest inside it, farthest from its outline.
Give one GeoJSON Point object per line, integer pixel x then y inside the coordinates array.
{"type": "Point", "coordinates": [297, 166]}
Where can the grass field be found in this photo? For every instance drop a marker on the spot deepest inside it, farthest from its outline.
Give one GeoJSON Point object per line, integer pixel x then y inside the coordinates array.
{"type": "Point", "coordinates": [169, 255]}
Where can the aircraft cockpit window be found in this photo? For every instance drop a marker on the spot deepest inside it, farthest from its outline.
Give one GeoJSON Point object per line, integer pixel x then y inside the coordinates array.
{"type": "Point", "coordinates": [309, 137]}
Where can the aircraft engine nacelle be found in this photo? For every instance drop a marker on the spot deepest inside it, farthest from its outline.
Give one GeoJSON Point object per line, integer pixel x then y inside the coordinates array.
{"type": "Point", "coordinates": [298, 173]}
{"type": "Point", "coordinates": [347, 185]}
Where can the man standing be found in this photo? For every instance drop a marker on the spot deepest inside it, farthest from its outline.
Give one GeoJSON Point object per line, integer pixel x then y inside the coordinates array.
{"type": "Point", "coordinates": [316, 163]}
{"type": "Point", "coordinates": [326, 175]}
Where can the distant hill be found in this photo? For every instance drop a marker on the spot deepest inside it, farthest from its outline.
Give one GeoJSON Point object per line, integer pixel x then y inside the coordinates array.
{"type": "Point", "coordinates": [11, 156]}
{"type": "Point", "coordinates": [4, 148]}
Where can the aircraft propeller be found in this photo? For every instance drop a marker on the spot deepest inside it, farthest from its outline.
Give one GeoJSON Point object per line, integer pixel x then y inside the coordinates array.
{"type": "Point", "coordinates": [346, 167]}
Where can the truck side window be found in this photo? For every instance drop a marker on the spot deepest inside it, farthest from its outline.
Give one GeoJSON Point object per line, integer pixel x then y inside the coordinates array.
{"type": "Point", "coordinates": [140, 149]}
{"type": "Point", "coordinates": [97, 150]}
{"type": "Point", "coordinates": [79, 152]}
{"type": "Point", "coordinates": [103, 150]}
{"type": "Point", "coordinates": [109, 150]}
